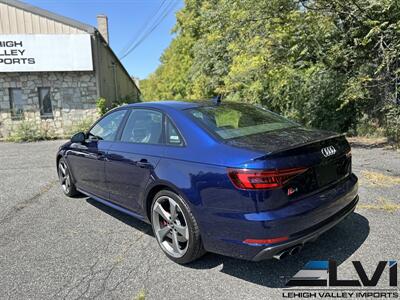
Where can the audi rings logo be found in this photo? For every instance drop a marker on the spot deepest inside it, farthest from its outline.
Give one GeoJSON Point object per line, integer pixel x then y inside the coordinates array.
{"type": "Point", "coordinates": [328, 151]}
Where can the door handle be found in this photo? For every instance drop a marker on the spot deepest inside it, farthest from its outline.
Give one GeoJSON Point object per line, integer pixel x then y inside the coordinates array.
{"type": "Point", "coordinates": [143, 163]}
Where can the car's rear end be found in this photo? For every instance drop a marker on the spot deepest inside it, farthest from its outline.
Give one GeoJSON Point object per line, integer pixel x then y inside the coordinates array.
{"type": "Point", "coordinates": [296, 184]}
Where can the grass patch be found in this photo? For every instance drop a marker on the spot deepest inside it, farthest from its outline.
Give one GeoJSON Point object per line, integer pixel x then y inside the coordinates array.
{"type": "Point", "coordinates": [141, 295]}
{"type": "Point", "coordinates": [379, 179]}
{"type": "Point", "coordinates": [383, 204]}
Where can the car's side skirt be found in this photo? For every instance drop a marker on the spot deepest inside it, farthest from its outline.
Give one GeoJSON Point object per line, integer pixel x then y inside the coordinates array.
{"type": "Point", "coordinates": [114, 206]}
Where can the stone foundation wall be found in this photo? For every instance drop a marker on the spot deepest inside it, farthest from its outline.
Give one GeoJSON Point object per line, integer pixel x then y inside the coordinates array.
{"type": "Point", "coordinates": [73, 97]}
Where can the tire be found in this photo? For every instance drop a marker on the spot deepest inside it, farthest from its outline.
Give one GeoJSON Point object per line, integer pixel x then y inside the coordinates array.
{"type": "Point", "coordinates": [64, 175]}
{"type": "Point", "coordinates": [176, 230]}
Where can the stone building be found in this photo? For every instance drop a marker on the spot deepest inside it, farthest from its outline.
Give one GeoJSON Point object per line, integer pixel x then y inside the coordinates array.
{"type": "Point", "coordinates": [53, 69]}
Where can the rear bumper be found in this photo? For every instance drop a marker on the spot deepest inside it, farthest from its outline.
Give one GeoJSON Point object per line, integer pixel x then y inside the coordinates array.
{"type": "Point", "coordinates": [225, 231]}
{"type": "Point", "coordinates": [310, 234]}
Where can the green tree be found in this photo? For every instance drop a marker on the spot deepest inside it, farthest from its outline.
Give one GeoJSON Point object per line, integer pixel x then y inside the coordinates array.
{"type": "Point", "coordinates": [331, 64]}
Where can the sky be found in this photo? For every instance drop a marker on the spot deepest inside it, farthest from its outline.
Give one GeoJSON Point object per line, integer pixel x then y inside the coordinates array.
{"type": "Point", "coordinates": [126, 18]}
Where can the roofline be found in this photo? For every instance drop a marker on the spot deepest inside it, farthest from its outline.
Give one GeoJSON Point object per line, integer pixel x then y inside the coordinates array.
{"type": "Point", "coordinates": [182, 105]}
{"type": "Point", "coordinates": [98, 35]}
{"type": "Point", "coordinates": [50, 15]}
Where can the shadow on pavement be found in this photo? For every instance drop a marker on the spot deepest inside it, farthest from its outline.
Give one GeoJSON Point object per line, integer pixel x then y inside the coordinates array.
{"type": "Point", "coordinates": [339, 244]}
{"type": "Point", "coordinates": [128, 220]}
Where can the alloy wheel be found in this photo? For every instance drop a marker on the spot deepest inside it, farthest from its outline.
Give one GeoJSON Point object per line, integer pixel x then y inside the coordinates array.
{"type": "Point", "coordinates": [170, 226]}
{"type": "Point", "coordinates": [63, 174]}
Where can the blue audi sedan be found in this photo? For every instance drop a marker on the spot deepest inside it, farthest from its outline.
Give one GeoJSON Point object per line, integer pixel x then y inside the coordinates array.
{"type": "Point", "coordinates": [229, 178]}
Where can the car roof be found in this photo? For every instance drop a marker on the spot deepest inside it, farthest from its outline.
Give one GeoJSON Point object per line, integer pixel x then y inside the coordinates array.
{"type": "Point", "coordinates": [179, 105]}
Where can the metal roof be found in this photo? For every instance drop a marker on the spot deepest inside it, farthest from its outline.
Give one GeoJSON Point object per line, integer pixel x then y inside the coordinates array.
{"type": "Point", "coordinates": [50, 15]}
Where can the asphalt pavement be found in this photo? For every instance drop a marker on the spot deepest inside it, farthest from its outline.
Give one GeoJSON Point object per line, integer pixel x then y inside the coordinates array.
{"type": "Point", "coordinates": [54, 247]}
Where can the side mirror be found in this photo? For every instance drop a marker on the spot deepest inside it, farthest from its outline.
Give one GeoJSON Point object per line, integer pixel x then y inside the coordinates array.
{"type": "Point", "coordinates": [78, 137]}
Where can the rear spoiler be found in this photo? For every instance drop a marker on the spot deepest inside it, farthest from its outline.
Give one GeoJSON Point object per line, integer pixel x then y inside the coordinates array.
{"type": "Point", "coordinates": [283, 151]}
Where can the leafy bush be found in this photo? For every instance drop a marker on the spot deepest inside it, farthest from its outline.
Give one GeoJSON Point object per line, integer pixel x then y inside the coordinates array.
{"type": "Point", "coordinates": [101, 105]}
{"type": "Point", "coordinates": [81, 126]}
{"type": "Point", "coordinates": [369, 128]}
{"type": "Point", "coordinates": [28, 131]}
{"type": "Point", "coordinates": [46, 132]}
{"type": "Point", "coordinates": [393, 123]}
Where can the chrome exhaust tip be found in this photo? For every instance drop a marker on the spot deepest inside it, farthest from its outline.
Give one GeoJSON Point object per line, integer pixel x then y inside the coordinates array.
{"type": "Point", "coordinates": [281, 255]}
{"type": "Point", "coordinates": [285, 253]}
{"type": "Point", "coordinates": [295, 250]}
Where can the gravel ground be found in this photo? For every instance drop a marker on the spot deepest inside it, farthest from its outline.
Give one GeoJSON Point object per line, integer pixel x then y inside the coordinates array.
{"type": "Point", "coordinates": [54, 247]}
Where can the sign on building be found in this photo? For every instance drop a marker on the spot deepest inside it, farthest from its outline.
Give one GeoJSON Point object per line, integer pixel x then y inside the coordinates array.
{"type": "Point", "coordinates": [45, 53]}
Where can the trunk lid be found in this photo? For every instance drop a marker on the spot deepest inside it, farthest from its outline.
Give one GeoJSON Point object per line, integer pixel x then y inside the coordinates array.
{"type": "Point", "coordinates": [299, 147]}
{"type": "Point", "coordinates": [280, 140]}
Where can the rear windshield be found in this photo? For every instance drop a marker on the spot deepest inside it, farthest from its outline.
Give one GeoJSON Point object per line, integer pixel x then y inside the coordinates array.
{"type": "Point", "coordinates": [231, 120]}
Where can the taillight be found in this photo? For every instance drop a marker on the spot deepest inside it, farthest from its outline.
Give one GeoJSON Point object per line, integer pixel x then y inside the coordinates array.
{"type": "Point", "coordinates": [262, 179]}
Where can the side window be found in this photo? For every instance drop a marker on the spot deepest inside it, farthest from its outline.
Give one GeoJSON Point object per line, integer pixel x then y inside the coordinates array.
{"type": "Point", "coordinates": [173, 137]}
{"type": "Point", "coordinates": [106, 129]}
{"type": "Point", "coordinates": [45, 102]}
{"type": "Point", "coordinates": [143, 126]}
{"type": "Point", "coordinates": [16, 103]}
